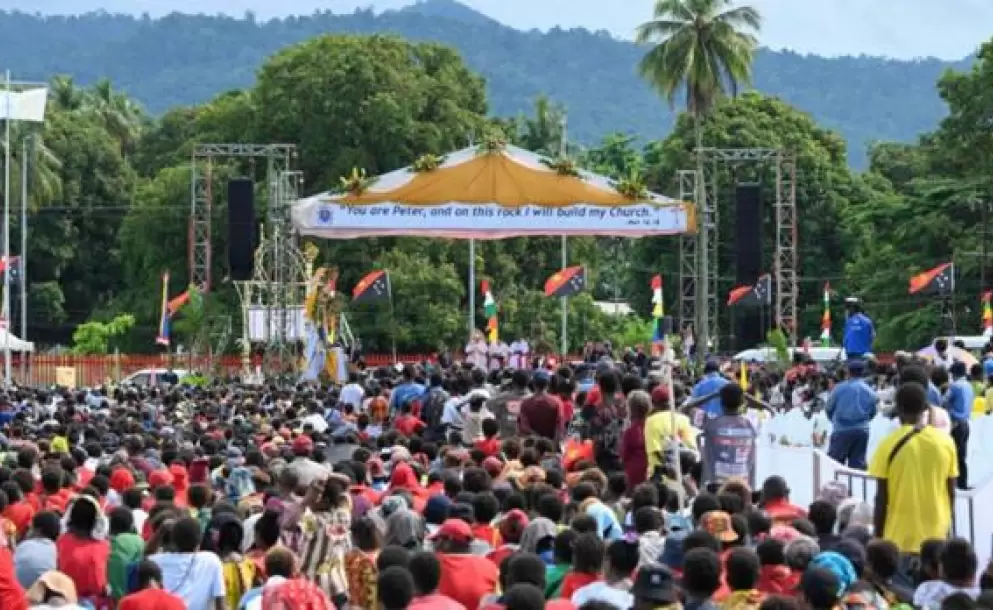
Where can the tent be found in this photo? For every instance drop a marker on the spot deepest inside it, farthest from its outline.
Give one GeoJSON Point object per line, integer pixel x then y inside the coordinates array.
{"type": "Point", "coordinates": [16, 344]}
{"type": "Point", "coordinates": [491, 192]}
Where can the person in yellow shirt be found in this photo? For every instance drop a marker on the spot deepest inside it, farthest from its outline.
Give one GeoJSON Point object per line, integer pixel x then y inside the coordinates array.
{"type": "Point", "coordinates": [659, 429]}
{"type": "Point", "coordinates": [916, 468]}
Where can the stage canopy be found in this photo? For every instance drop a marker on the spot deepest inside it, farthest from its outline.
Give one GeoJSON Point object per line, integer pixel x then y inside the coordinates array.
{"type": "Point", "coordinates": [16, 344]}
{"type": "Point", "coordinates": [491, 192]}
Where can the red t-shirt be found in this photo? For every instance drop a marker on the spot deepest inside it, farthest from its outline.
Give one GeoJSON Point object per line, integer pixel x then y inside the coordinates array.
{"type": "Point", "coordinates": [151, 599]}
{"type": "Point", "coordinates": [20, 514]}
{"type": "Point", "coordinates": [574, 581]}
{"type": "Point", "coordinates": [489, 446]}
{"type": "Point", "coordinates": [408, 425]}
{"type": "Point", "coordinates": [782, 512]}
{"type": "Point", "coordinates": [11, 594]}
{"type": "Point", "coordinates": [486, 533]}
{"type": "Point", "coordinates": [467, 578]}
{"type": "Point", "coordinates": [85, 562]}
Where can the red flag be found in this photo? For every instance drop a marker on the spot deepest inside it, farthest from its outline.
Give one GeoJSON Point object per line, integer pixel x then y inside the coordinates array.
{"type": "Point", "coordinates": [657, 282]}
{"type": "Point", "coordinates": [567, 282]}
{"type": "Point", "coordinates": [940, 280]}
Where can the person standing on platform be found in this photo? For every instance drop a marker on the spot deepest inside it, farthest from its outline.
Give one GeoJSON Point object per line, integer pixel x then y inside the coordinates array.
{"type": "Point", "coordinates": [712, 382]}
{"type": "Point", "coordinates": [851, 407]}
{"type": "Point", "coordinates": [860, 333]}
{"type": "Point", "coordinates": [958, 402]}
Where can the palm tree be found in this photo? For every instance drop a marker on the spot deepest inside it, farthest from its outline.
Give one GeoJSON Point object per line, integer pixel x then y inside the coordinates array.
{"type": "Point", "coordinates": [542, 133]}
{"type": "Point", "coordinates": [703, 48]}
{"type": "Point", "coordinates": [65, 95]}
{"type": "Point", "coordinates": [120, 116]}
{"type": "Point", "coordinates": [44, 167]}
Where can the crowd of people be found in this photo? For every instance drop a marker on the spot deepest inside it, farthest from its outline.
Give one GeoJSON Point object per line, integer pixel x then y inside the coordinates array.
{"type": "Point", "coordinates": [612, 484]}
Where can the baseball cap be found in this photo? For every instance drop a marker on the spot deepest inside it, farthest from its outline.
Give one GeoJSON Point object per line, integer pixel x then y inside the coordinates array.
{"type": "Point", "coordinates": [656, 584]}
{"type": "Point", "coordinates": [159, 478]}
{"type": "Point", "coordinates": [660, 394]}
{"type": "Point", "coordinates": [453, 529]}
{"type": "Point", "coordinates": [493, 466]}
{"type": "Point", "coordinates": [513, 524]}
{"type": "Point", "coordinates": [303, 444]}
{"type": "Point", "coordinates": [718, 524]}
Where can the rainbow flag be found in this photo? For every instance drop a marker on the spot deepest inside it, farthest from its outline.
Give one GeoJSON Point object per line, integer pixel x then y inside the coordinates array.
{"type": "Point", "coordinates": [490, 311]}
{"type": "Point", "coordinates": [826, 318]}
{"type": "Point", "coordinates": [987, 313]}
{"type": "Point", "coordinates": [658, 311]}
{"type": "Point", "coordinates": [163, 336]}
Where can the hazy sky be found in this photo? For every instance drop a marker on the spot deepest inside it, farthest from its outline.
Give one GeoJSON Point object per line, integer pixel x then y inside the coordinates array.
{"type": "Point", "coordinates": [950, 29]}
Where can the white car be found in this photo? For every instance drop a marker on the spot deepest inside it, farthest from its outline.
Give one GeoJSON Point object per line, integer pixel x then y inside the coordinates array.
{"type": "Point", "coordinates": [151, 377]}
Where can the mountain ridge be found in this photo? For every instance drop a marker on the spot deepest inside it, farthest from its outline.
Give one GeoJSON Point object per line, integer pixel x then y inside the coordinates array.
{"type": "Point", "coordinates": [187, 59]}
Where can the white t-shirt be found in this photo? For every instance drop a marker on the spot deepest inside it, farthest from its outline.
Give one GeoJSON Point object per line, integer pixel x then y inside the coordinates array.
{"type": "Point", "coordinates": [519, 352]}
{"type": "Point", "coordinates": [198, 578]}
{"type": "Point", "coordinates": [317, 421]}
{"type": "Point", "coordinates": [352, 394]}
{"type": "Point", "coordinates": [602, 592]}
{"type": "Point", "coordinates": [499, 353]}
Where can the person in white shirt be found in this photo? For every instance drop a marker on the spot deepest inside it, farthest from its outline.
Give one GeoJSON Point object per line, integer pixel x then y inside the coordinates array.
{"type": "Point", "coordinates": [476, 350]}
{"type": "Point", "coordinates": [316, 419]}
{"type": "Point", "coordinates": [499, 354]}
{"type": "Point", "coordinates": [353, 393]}
{"type": "Point", "coordinates": [195, 576]}
{"type": "Point", "coordinates": [519, 352]}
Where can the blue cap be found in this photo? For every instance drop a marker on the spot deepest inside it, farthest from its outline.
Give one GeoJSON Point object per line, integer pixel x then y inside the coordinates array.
{"type": "Point", "coordinates": [436, 509]}
{"type": "Point", "coordinates": [856, 365]}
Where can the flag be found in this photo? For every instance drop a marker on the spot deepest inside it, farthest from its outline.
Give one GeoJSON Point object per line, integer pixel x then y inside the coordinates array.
{"type": "Point", "coordinates": [752, 296]}
{"type": "Point", "coordinates": [826, 317]}
{"type": "Point", "coordinates": [373, 287]}
{"type": "Point", "coordinates": [940, 280]}
{"type": "Point", "coordinates": [490, 311]}
{"type": "Point", "coordinates": [743, 376]}
{"type": "Point", "coordinates": [565, 283]}
{"type": "Point", "coordinates": [658, 310]}
{"type": "Point", "coordinates": [14, 267]}
{"type": "Point", "coordinates": [987, 313]}
{"type": "Point", "coordinates": [163, 336]}
{"type": "Point", "coordinates": [177, 303]}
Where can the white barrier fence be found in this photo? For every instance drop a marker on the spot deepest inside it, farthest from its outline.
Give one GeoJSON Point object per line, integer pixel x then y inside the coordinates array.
{"type": "Point", "coordinates": [807, 469]}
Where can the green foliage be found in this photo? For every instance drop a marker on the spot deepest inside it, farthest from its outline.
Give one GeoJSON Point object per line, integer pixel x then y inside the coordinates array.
{"type": "Point", "coordinates": [95, 337]}
{"type": "Point", "coordinates": [703, 48]}
{"type": "Point", "coordinates": [190, 59]}
{"type": "Point", "coordinates": [776, 339]}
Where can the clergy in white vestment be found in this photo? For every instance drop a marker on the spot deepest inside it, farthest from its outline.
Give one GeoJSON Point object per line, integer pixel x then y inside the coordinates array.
{"type": "Point", "coordinates": [519, 352]}
{"type": "Point", "coordinates": [499, 353]}
{"type": "Point", "coordinates": [476, 351]}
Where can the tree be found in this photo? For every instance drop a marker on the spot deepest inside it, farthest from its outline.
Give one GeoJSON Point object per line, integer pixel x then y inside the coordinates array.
{"type": "Point", "coordinates": [95, 337]}
{"type": "Point", "coordinates": [706, 51]}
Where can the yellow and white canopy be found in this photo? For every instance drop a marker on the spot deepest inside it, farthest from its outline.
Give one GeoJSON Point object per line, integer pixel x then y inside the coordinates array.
{"type": "Point", "coordinates": [490, 194]}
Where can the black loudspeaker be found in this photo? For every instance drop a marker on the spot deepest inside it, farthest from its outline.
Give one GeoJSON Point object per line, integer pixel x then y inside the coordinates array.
{"type": "Point", "coordinates": [241, 229]}
{"type": "Point", "coordinates": [748, 258]}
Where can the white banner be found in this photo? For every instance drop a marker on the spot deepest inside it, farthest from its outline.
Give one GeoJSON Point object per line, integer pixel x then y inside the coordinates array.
{"type": "Point", "coordinates": [487, 221]}
{"type": "Point", "coordinates": [28, 105]}
{"type": "Point", "coordinates": [259, 318]}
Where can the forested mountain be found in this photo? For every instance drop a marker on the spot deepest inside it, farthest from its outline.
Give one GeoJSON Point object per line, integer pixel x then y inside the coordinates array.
{"type": "Point", "coordinates": [185, 59]}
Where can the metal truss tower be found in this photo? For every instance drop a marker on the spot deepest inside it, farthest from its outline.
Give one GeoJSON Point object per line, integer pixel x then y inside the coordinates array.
{"type": "Point", "coordinates": [282, 190]}
{"type": "Point", "coordinates": [688, 259]}
{"type": "Point", "coordinates": [703, 293]}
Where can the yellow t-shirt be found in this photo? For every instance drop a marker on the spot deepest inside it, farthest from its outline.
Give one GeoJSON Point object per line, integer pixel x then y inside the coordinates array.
{"type": "Point", "coordinates": [917, 486]}
{"type": "Point", "coordinates": [658, 431]}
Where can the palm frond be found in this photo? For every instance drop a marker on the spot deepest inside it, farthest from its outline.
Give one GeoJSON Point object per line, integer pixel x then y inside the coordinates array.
{"type": "Point", "coordinates": [741, 17]}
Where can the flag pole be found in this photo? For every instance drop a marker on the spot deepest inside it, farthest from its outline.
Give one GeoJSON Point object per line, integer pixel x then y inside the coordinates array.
{"type": "Point", "coordinates": [393, 316]}
{"type": "Point", "coordinates": [22, 264]}
{"type": "Point", "coordinates": [563, 152]}
{"type": "Point", "coordinates": [565, 303]}
{"type": "Point", "coordinates": [472, 287]}
{"type": "Point", "coordinates": [6, 228]}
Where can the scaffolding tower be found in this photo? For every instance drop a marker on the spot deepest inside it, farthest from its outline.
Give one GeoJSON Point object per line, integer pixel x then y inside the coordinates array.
{"type": "Point", "coordinates": [700, 301]}
{"type": "Point", "coordinates": [283, 187]}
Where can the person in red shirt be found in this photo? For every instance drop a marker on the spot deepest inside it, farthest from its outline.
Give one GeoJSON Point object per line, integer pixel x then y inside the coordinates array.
{"type": "Point", "coordinates": [511, 529]}
{"type": "Point", "coordinates": [425, 569]}
{"type": "Point", "coordinates": [11, 594]}
{"type": "Point", "coordinates": [485, 508]}
{"type": "Point", "coordinates": [775, 577]}
{"type": "Point", "coordinates": [633, 452]}
{"type": "Point", "coordinates": [541, 414]}
{"type": "Point", "coordinates": [525, 569]}
{"type": "Point", "coordinates": [490, 443]}
{"type": "Point", "coordinates": [54, 496]}
{"type": "Point", "coordinates": [81, 556]}
{"type": "Point", "coordinates": [407, 423]}
{"type": "Point", "coordinates": [150, 594]}
{"type": "Point", "coordinates": [18, 512]}
{"type": "Point", "coordinates": [776, 502]}
{"type": "Point", "coordinates": [466, 578]}
{"type": "Point", "coordinates": [587, 560]}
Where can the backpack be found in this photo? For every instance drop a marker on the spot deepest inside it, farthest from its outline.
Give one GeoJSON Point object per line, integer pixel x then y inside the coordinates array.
{"type": "Point", "coordinates": [434, 408]}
